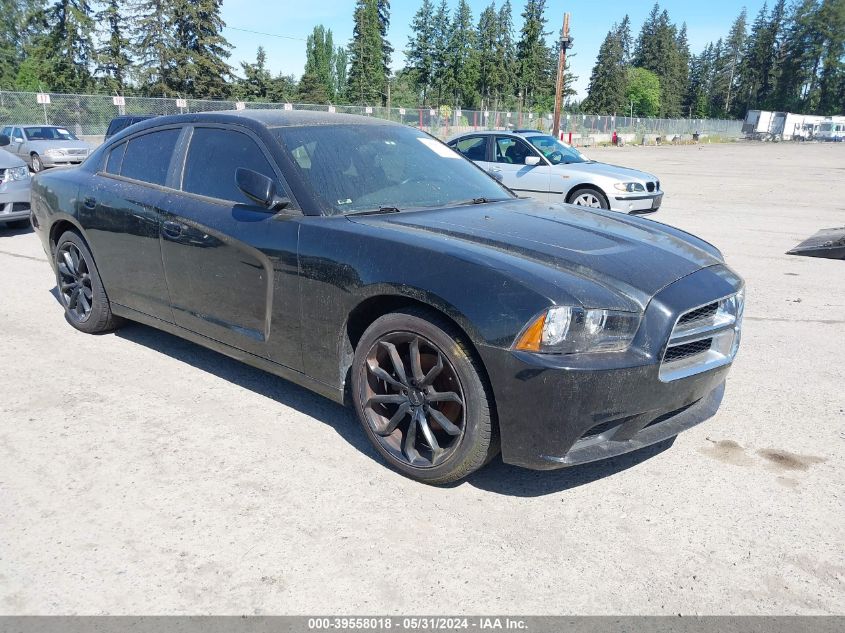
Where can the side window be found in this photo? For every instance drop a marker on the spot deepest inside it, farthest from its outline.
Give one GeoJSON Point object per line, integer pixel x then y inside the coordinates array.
{"type": "Point", "coordinates": [7, 131]}
{"type": "Point", "coordinates": [474, 147]}
{"type": "Point", "coordinates": [18, 133]}
{"type": "Point", "coordinates": [213, 159]}
{"type": "Point", "coordinates": [147, 157]}
{"type": "Point", "coordinates": [511, 150]}
{"type": "Point", "coordinates": [115, 159]}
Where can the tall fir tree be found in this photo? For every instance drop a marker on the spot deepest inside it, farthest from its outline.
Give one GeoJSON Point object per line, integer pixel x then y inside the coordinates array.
{"type": "Point", "coordinates": [154, 46]}
{"type": "Point", "coordinates": [201, 69]}
{"type": "Point", "coordinates": [113, 61]}
{"type": "Point", "coordinates": [419, 53]}
{"type": "Point", "coordinates": [367, 77]}
{"type": "Point", "coordinates": [486, 37]}
{"type": "Point", "coordinates": [384, 26]}
{"type": "Point", "coordinates": [66, 48]}
{"type": "Point", "coordinates": [504, 87]}
{"type": "Point", "coordinates": [441, 76]}
{"type": "Point", "coordinates": [606, 92]}
{"type": "Point", "coordinates": [463, 57]}
{"type": "Point", "coordinates": [657, 50]}
{"type": "Point", "coordinates": [255, 84]}
{"type": "Point", "coordinates": [532, 56]}
{"type": "Point", "coordinates": [317, 83]}
{"type": "Point", "coordinates": [14, 38]}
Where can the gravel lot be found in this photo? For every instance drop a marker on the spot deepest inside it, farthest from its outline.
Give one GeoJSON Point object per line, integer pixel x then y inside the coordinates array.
{"type": "Point", "coordinates": [143, 474]}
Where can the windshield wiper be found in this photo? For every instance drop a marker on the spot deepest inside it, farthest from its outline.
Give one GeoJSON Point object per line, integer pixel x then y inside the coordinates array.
{"type": "Point", "coordinates": [375, 211]}
{"type": "Point", "coordinates": [479, 201]}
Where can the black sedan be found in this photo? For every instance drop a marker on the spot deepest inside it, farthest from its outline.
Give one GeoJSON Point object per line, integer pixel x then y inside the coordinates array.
{"type": "Point", "coordinates": [376, 266]}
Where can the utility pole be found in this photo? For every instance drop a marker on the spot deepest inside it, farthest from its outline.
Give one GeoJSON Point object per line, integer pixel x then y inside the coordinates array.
{"type": "Point", "coordinates": [565, 43]}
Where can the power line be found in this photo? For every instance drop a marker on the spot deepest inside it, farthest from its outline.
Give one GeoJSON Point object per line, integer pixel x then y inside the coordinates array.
{"type": "Point", "coordinates": [284, 37]}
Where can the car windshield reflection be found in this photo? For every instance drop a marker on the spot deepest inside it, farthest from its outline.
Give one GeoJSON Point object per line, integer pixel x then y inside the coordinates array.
{"type": "Point", "coordinates": [557, 152]}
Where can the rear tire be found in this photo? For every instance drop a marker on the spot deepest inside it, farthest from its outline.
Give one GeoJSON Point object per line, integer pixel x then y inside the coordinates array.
{"type": "Point", "coordinates": [587, 197]}
{"type": "Point", "coordinates": [430, 415]}
{"type": "Point", "coordinates": [81, 291]}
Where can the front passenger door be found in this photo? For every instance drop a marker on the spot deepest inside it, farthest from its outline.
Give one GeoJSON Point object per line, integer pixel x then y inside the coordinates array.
{"type": "Point", "coordinates": [231, 265]}
{"type": "Point", "coordinates": [526, 180]}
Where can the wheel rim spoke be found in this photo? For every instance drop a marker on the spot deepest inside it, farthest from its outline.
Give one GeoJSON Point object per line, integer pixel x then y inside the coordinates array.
{"type": "Point", "coordinates": [436, 451]}
{"type": "Point", "coordinates": [444, 396]}
{"type": "Point", "coordinates": [433, 373]}
{"type": "Point", "coordinates": [416, 361]}
{"type": "Point", "coordinates": [398, 366]}
{"type": "Point", "coordinates": [387, 398]}
{"type": "Point", "coordinates": [410, 440]}
{"type": "Point", "coordinates": [393, 423]}
{"type": "Point", "coordinates": [379, 373]}
{"type": "Point", "coordinates": [443, 421]}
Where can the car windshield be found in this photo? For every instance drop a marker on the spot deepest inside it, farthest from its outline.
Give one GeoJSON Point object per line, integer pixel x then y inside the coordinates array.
{"type": "Point", "coordinates": [47, 133]}
{"type": "Point", "coordinates": [557, 152]}
{"type": "Point", "coordinates": [354, 168]}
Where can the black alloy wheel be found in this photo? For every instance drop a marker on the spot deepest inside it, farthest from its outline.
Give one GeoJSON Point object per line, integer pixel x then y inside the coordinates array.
{"type": "Point", "coordinates": [74, 281]}
{"type": "Point", "coordinates": [414, 400]}
{"type": "Point", "coordinates": [80, 289]}
{"type": "Point", "coordinates": [421, 397]}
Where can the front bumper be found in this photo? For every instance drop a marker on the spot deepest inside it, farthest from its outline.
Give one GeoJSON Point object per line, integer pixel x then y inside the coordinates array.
{"type": "Point", "coordinates": [637, 203]}
{"type": "Point", "coordinates": [57, 161]}
{"type": "Point", "coordinates": [14, 200]}
{"type": "Point", "coordinates": [556, 411]}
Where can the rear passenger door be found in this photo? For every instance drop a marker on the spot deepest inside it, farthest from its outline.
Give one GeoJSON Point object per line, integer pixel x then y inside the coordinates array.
{"type": "Point", "coordinates": [122, 214]}
{"type": "Point", "coordinates": [231, 265]}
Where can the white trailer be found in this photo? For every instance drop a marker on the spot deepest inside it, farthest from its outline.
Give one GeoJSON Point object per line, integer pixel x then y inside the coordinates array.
{"type": "Point", "coordinates": [758, 124]}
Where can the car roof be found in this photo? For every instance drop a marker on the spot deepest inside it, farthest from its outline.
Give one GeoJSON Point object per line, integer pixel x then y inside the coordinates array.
{"type": "Point", "coordinates": [519, 133]}
{"type": "Point", "coordinates": [64, 127]}
{"type": "Point", "coordinates": [267, 118]}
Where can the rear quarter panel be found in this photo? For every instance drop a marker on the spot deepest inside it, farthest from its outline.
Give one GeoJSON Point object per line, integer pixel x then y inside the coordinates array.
{"type": "Point", "coordinates": [55, 199]}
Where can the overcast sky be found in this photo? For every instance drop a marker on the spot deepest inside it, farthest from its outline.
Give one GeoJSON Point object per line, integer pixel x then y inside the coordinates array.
{"type": "Point", "coordinates": [282, 27]}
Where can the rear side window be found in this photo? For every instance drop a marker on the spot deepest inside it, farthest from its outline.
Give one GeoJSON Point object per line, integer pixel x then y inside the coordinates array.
{"type": "Point", "coordinates": [474, 147]}
{"type": "Point", "coordinates": [147, 157]}
{"type": "Point", "coordinates": [115, 159]}
{"type": "Point", "coordinates": [213, 158]}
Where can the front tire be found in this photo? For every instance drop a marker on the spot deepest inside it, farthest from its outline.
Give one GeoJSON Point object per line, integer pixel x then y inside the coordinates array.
{"type": "Point", "coordinates": [81, 291]}
{"type": "Point", "coordinates": [37, 164]}
{"type": "Point", "coordinates": [422, 397]}
{"type": "Point", "coordinates": [586, 197]}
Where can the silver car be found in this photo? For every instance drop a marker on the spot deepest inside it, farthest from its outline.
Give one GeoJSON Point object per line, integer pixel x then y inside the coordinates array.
{"type": "Point", "coordinates": [539, 166]}
{"type": "Point", "coordinates": [43, 146]}
{"type": "Point", "coordinates": [14, 189]}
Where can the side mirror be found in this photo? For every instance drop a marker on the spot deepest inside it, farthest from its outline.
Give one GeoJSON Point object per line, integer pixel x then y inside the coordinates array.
{"type": "Point", "coordinates": [495, 174]}
{"type": "Point", "coordinates": [532, 161]}
{"type": "Point", "coordinates": [4, 140]}
{"type": "Point", "coordinates": [260, 188]}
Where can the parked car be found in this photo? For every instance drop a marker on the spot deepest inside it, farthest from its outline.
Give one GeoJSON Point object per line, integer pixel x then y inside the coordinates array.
{"type": "Point", "coordinates": [14, 189]}
{"type": "Point", "coordinates": [364, 258]}
{"type": "Point", "coordinates": [538, 165]}
{"type": "Point", "coordinates": [120, 123]}
{"type": "Point", "coordinates": [42, 146]}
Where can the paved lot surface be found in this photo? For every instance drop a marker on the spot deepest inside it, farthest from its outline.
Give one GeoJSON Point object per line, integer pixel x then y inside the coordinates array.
{"type": "Point", "coordinates": [143, 474]}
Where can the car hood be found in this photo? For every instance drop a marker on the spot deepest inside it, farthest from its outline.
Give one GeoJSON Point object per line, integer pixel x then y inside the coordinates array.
{"type": "Point", "coordinates": [7, 160]}
{"type": "Point", "coordinates": [56, 144]}
{"type": "Point", "coordinates": [626, 255]}
{"type": "Point", "coordinates": [616, 172]}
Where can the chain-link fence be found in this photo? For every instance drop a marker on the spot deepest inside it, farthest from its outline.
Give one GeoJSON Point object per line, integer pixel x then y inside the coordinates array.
{"type": "Point", "coordinates": [89, 115]}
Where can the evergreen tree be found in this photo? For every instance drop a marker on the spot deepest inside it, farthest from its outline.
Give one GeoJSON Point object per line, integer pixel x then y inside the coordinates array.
{"type": "Point", "coordinates": [384, 25]}
{"type": "Point", "coordinates": [463, 59]}
{"type": "Point", "coordinates": [14, 32]}
{"type": "Point", "coordinates": [753, 57]}
{"type": "Point", "coordinates": [113, 61]}
{"type": "Point", "coordinates": [504, 84]}
{"type": "Point", "coordinates": [657, 50]}
{"type": "Point", "coordinates": [486, 39]}
{"type": "Point", "coordinates": [201, 50]}
{"type": "Point", "coordinates": [831, 22]}
{"type": "Point", "coordinates": [441, 73]}
{"type": "Point", "coordinates": [771, 45]}
{"type": "Point", "coordinates": [532, 56]}
{"type": "Point", "coordinates": [367, 78]}
{"type": "Point", "coordinates": [734, 46]}
{"type": "Point", "coordinates": [626, 39]}
{"type": "Point", "coordinates": [282, 89]}
{"type": "Point", "coordinates": [606, 93]}
{"type": "Point", "coordinates": [65, 51]}
{"type": "Point", "coordinates": [317, 83]}
{"type": "Point", "coordinates": [154, 46]}
{"type": "Point", "coordinates": [257, 79]}
{"type": "Point", "coordinates": [802, 52]}
{"type": "Point", "coordinates": [420, 51]}
{"type": "Point", "coordinates": [681, 67]}
{"type": "Point", "coordinates": [340, 68]}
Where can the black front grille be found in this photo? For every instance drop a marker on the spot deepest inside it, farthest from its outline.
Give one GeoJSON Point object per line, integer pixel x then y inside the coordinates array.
{"type": "Point", "coordinates": [649, 186]}
{"type": "Point", "coordinates": [679, 352]}
{"type": "Point", "coordinates": [20, 206]}
{"type": "Point", "coordinates": [704, 312]}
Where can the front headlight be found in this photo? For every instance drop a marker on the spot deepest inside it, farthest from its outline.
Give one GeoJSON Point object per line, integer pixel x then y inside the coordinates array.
{"type": "Point", "coordinates": [18, 173]}
{"type": "Point", "coordinates": [574, 330]}
{"type": "Point", "coordinates": [630, 187]}
{"type": "Point", "coordinates": [55, 152]}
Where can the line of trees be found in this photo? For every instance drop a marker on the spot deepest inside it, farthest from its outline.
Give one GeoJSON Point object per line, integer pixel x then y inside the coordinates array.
{"type": "Point", "coordinates": [177, 47]}
{"type": "Point", "coordinates": [791, 58]}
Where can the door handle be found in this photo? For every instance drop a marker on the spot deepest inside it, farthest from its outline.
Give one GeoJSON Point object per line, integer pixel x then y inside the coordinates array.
{"type": "Point", "coordinates": [90, 203]}
{"type": "Point", "coordinates": [171, 229]}
{"type": "Point", "coordinates": [495, 169]}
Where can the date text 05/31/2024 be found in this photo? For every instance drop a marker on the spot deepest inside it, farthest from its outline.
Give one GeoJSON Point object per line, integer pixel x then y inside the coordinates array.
{"type": "Point", "coordinates": [416, 623]}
